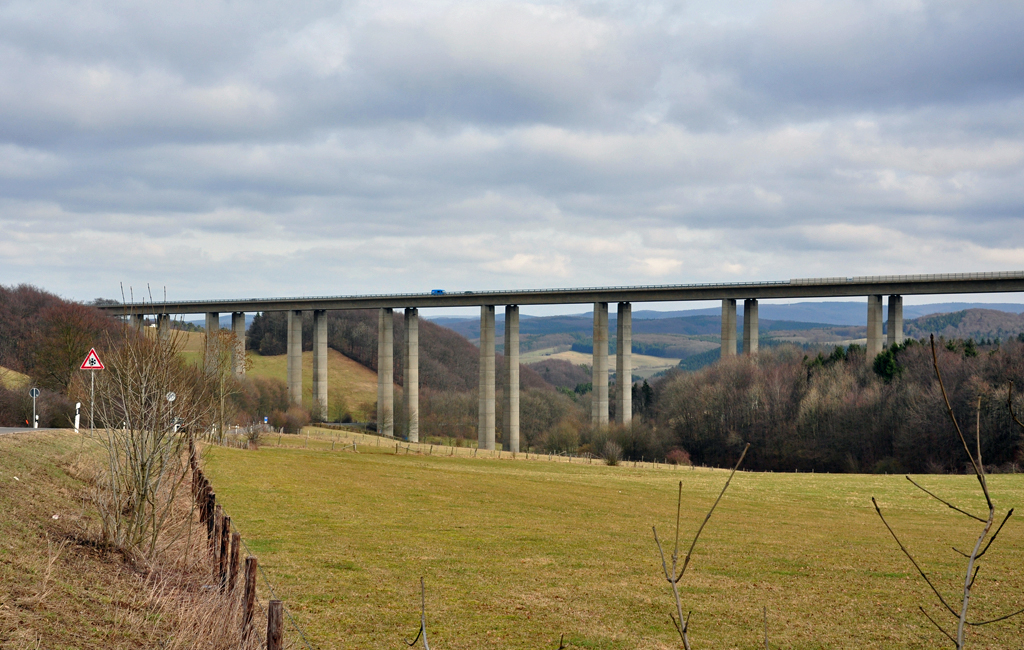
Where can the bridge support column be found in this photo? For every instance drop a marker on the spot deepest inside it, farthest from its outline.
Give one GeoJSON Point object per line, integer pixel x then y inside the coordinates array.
{"type": "Point", "coordinates": [599, 373]}
{"type": "Point", "coordinates": [294, 357]}
{"type": "Point", "coordinates": [411, 374]}
{"type": "Point", "coordinates": [750, 334]}
{"type": "Point", "coordinates": [238, 351]}
{"type": "Point", "coordinates": [510, 414]}
{"type": "Point", "coordinates": [212, 343]}
{"type": "Point", "coordinates": [728, 327]}
{"type": "Point", "coordinates": [895, 333]}
{"type": "Point", "coordinates": [386, 372]}
{"type": "Point", "coordinates": [139, 321]}
{"type": "Point", "coordinates": [874, 327]}
{"type": "Point", "coordinates": [163, 326]}
{"type": "Point", "coordinates": [320, 364]}
{"type": "Point", "coordinates": [624, 364]}
{"type": "Point", "coordinates": [485, 428]}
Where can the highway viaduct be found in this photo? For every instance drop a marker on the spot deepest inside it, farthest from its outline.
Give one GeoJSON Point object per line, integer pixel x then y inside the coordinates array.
{"type": "Point", "coordinates": [873, 287]}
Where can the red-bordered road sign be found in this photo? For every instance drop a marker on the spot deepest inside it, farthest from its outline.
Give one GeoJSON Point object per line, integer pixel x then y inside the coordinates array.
{"type": "Point", "coordinates": [92, 361]}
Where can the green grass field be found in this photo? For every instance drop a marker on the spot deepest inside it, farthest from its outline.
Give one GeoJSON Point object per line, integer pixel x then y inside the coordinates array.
{"type": "Point", "coordinates": [517, 552]}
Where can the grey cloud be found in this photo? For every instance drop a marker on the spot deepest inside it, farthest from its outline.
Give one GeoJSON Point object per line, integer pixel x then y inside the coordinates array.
{"type": "Point", "coordinates": [505, 144]}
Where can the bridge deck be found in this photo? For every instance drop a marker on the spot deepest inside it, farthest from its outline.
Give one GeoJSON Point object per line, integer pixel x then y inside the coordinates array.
{"type": "Point", "coordinates": [952, 283]}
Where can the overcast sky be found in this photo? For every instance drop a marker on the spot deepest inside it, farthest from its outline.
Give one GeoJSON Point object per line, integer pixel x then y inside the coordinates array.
{"type": "Point", "coordinates": [244, 149]}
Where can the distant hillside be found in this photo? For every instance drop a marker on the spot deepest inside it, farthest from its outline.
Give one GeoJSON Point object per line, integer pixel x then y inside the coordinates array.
{"type": "Point", "coordinates": [969, 323]}
{"type": "Point", "coordinates": [561, 373]}
{"type": "Point", "coordinates": [850, 313]}
{"type": "Point", "coordinates": [448, 362]}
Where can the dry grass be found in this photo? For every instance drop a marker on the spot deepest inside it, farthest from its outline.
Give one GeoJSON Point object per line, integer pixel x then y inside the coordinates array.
{"type": "Point", "coordinates": [351, 386]}
{"type": "Point", "coordinates": [60, 589]}
{"type": "Point", "coordinates": [13, 379]}
{"type": "Point", "coordinates": [643, 365]}
{"type": "Point", "coordinates": [516, 553]}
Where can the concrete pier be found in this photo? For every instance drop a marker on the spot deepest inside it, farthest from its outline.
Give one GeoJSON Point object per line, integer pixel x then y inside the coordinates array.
{"type": "Point", "coordinates": [599, 373]}
{"type": "Point", "coordinates": [750, 334]}
{"type": "Point", "coordinates": [139, 321]}
{"type": "Point", "coordinates": [163, 326]}
{"type": "Point", "coordinates": [320, 364]}
{"type": "Point", "coordinates": [411, 375]}
{"type": "Point", "coordinates": [238, 351]}
{"type": "Point", "coordinates": [485, 428]}
{"type": "Point", "coordinates": [894, 335]}
{"type": "Point", "coordinates": [624, 364]}
{"type": "Point", "coordinates": [874, 327]}
{"type": "Point", "coordinates": [294, 357]}
{"type": "Point", "coordinates": [728, 327]}
{"type": "Point", "coordinates": [212, 344]}
{"type": "Point", "coordinates": [386, 372]}
{"type": "Point", "coordinates": [510, 414]}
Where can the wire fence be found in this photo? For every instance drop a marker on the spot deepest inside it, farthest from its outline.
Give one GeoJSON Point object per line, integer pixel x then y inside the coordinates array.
{"type": "Point", "coordinates": [219, 538]}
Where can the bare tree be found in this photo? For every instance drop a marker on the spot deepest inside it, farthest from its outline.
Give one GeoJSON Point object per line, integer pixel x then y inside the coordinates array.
{"type": "Point", "coordinates": [676, 573]}
{"type": "Point", "coordinates": [985, 537]}
{"type": "Point", "coordinates": [146, 433]}
{"type": "Point", "coordinates": [219, 363]}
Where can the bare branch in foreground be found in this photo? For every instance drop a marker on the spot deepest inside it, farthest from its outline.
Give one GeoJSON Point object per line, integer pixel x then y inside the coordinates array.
{"type": "Point", "coordinates": [943, 501]}
{"type": "Point", "coordinates": [765, 610]}
{"type": "Point", "coordinates": [980, 545]}
{"type": "Point", "coordinates": [937, 626]}
{"type": "Point", "coordinates": [912, 560]}
{"type": "Point", "coordinates": [673, 577]}
{"type": "Point", "coordinates": [423, 618]}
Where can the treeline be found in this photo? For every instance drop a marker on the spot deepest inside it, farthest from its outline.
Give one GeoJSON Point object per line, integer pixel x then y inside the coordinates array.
{"type": "Point", "coordinates": [47, 338]}
{"type": "Point", "coordinates": [838, 413]}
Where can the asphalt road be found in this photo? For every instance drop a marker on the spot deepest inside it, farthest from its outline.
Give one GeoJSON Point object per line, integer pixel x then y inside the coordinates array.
{"type": "Point", "coordinates": [7, 430]}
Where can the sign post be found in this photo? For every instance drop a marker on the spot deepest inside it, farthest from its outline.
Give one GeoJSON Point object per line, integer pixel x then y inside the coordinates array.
{"type": "Point", "coordinates": [34, 392]}
{"type": "Point", "coordinates": [92, 362]}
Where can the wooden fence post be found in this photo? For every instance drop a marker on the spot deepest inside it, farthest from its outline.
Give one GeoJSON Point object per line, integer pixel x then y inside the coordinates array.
{"type": "Point", "coordinates": [214, 528]}
{"type": "Point", "coordinates": [249, 599]}
{"type": "Point", "coordinates": [222, 555]}
{"type": "Point", "coordinates": [236, 541]}
{"type": "Point", "coordinates": [275, 625]}
{"type": "Point", "coordinates": [200, 497]}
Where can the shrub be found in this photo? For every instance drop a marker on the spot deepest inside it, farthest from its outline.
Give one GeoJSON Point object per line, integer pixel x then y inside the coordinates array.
{"type": "Point", "coordinates": [611, 453]}
{"type": "Point", "coordinates": [291, 420]}
{"type": "Point", "coordinates": [888, 465]}
{"type": "Point", "coordinates": [678, 456]}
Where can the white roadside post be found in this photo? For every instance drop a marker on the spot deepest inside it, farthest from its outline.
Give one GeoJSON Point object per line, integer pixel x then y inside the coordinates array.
{"type": "Point", "coordinates": [92, 363]}
{"type": "Point", "coordinates": [78, 414]}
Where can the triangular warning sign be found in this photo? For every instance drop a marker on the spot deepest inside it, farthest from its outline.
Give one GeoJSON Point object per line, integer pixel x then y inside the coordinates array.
{"type": "Point", "coordinates": [92, 362]}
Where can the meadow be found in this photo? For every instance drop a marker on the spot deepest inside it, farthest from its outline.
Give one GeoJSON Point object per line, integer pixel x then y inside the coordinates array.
{"type": "Point", "coordinates": [517, 552]}
{"type": "Point", "coordinates": [351, 387]}
{"type": "Point", "coordinates": [643, 365]}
